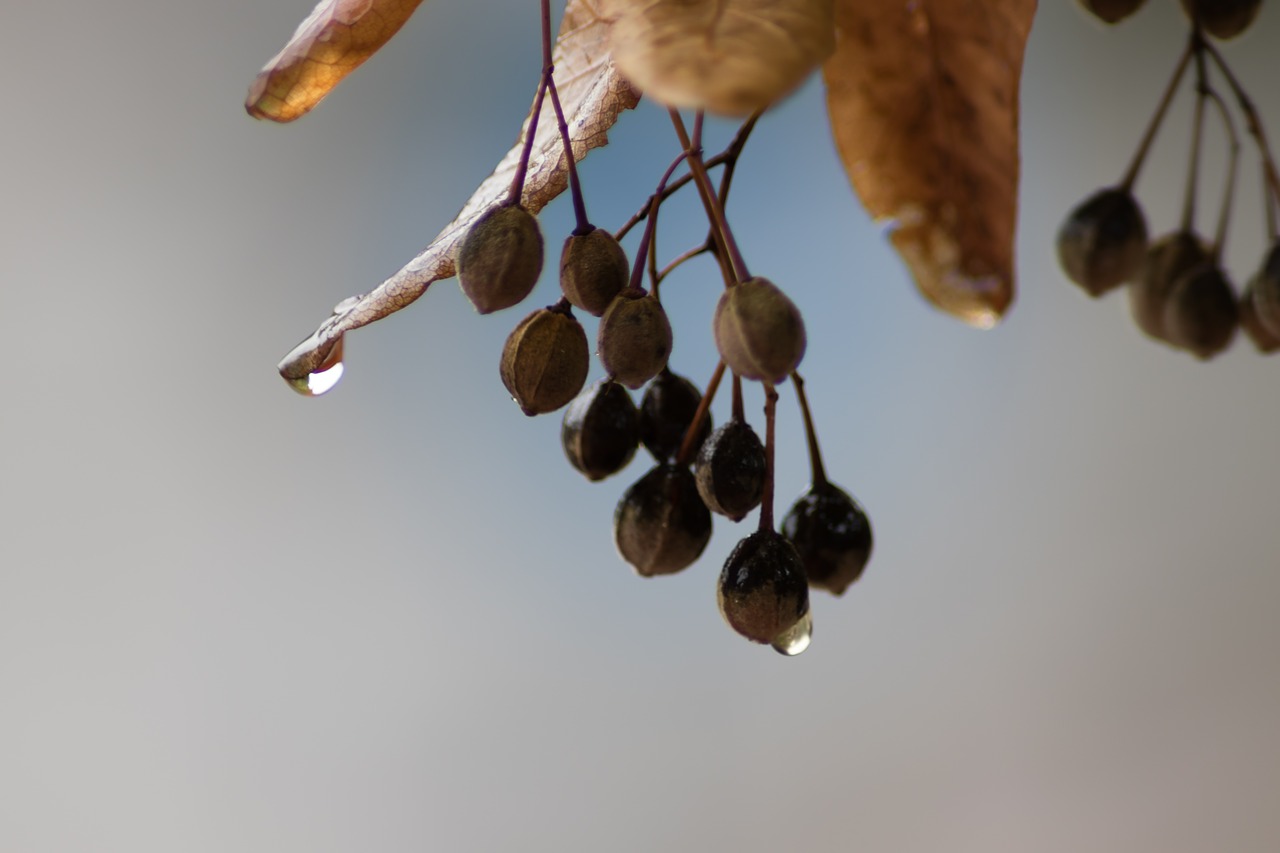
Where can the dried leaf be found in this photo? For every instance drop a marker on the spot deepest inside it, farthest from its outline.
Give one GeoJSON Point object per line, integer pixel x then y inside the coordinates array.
{"type": "Point", "coordinates": [727, 56]}
{"type": "Point", "coordinates": [923, 98]}
{"type": "Point", "coordinates": [332, 42]}
{"type": "Point", "coordinates": [593, 94]}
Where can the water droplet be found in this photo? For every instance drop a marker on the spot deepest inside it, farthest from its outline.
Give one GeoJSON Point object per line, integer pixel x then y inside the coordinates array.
{"type": "Point", "coordinates": [323, 379]}
{"type": "Point", "coordinates": [795, 639]}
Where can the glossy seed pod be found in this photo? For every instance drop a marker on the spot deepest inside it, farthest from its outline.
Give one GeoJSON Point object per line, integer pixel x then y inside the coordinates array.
{"type": "Point", "coordinates": [1266, 291]}
{"type": "Point", "coordinates": [1201, 316]}
{"type": "Point", "coordinates": [759, 331]}
{"type": "Point", "coordinates": [762, 591]}
{"type": "Point", "coordinates": [1262, 338]}
{"type": "Point", "coordinates": [661, 525]}
{"type": "Point", "coordinates": [666, 410]}
{"type": "Point", "coordinates": [730, 470]}
{"type": "Point", "coordinates": [545, 360]}
{"type": "Point", "coordinates": [601, 430]}
{"type": "Point", "coordinates": [1112, 11]}
{"type": "Point", "coordinates": [1223, 19]}
{"type": "Point", "coordinates": [634, 338]}
{"type": "Point", "coordinates": [832, 535]}
{"type": "Point", "coordinates": [500, 259]}
{"type": "Point", "coordinates": [1167, 259]}
{"type": "Point", "coordinates": [593, 270]}
{"type": "Point", "coordinates": [1102, 243]}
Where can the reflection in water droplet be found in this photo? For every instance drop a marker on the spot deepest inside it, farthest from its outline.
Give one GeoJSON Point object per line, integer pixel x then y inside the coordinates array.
{"type": "Point", "coordinates": [323, 379]}
{"type": "Point", "coordinates": [795, 639]}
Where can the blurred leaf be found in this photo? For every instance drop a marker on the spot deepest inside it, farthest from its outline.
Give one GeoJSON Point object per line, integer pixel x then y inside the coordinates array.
{"type": "Point", "coordinates": [593, 94]}
{"type": "Point", "coordinates": [332, 42]}
{"type": "Point", "coordinates": [923, 98]}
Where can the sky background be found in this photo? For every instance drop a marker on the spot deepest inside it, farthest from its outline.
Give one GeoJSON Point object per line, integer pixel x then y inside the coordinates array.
{"type": "Point", "coordinates": [393, 619]}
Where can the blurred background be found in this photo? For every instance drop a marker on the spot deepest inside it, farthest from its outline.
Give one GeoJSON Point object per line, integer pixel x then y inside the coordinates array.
{"type": "Point", "coordinates": [393, 618]}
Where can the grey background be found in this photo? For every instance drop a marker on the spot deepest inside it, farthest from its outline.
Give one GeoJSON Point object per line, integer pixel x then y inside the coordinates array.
{"type": "Point", "coordinates": [392, 619]}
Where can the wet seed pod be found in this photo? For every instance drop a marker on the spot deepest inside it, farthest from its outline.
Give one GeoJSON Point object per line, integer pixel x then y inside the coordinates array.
{"type": "Point", "coordinates": [762, 592]}
{"type": "Point", "coordinates": [1261, 336]}
{"type": "Point", "coordinates": [500, 259]}
{"type": "Point", "coordinates": [634, 338]}
{"type": "Point", "coordinates": [545, 360]}
{"type": "Point", "coordinates": [832, 535]}
{"type": "Point", "coordinates": [730, 470]}
{"type": "Point", "coordinates": [759, 331]}
{"type": "Point", "coordinates": [1201, 316]}
{"type": "Point", "coordinates": [1112, 11]}
{"type": "Point", "coordinates": [1166, 261]}
{"type": "Point", "coordinates": [1223, 19]}
{"type": "Point", "coordinates": [661, 525]}
{"type": "Point", "coordinates": [601, 430]}
{"type": "Point", "coordinates": [1266, 291]}
{"type": "Point", "coordinates": [666, 410]}
{"type": "Point", "coordinates": [593, 270]}
{"type": "Point", "coordinates": [1102, 242]}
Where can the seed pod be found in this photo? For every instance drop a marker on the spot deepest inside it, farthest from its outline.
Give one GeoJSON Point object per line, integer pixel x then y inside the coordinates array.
{"type": "Point", "coordinates": [1112, 11]}
{"type": "Point", "coordinates": [1223, 19]}
{"type": "Point", "coordinates": [661, 525]}
{"type": "Point", "coordinates": [1201, 316]}
{"type": "Point", "coordinates": [730, 470]}
{"type": "Point", "coordinates": [1266, 291]}
{"type": "Point", "coordinates": [593, 270]}
{"type": "Point", "coordinates": [545, 360]}
{"type": "Point", "coordinates": [666, 410]}
{"type": "Point", "coordinates": [634, 338]}
{"type": "Point", "coordinates": [762, 591]}
{"type": "Point", "coordinates": [1166, 261]}
{"type": "Point", "coordinates": [759, 331]}
{"type": "Point", "coordinates": [500, 259]}
{"type": "Point", "coordinates": [1252, 325]}
{"type": "Point", "coordinates": [832, 535]}
{"type": "Point", "coordinates": [601, 430]}
{"type": "Point", "coordinates": [1102, 242]}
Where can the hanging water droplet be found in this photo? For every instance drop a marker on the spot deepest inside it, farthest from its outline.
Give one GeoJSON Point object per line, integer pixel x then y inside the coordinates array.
{"type": "Point", "coordinates": [322, 379]}
{"type": "Point", "coordinates": [795, 639]}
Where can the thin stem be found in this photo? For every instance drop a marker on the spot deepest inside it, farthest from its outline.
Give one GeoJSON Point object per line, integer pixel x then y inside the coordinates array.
{"type": "Point", "coordinates": [654, 279]}
{"type": "Point", "coordinates": [1268, 206]}
{"type": "Point", "coordinates": [1131, 175]}
{"type": "Point", "coordinates": [715, 214]}
{"type": "Point", "coordinates": [522, 168]}
{"type": "Point", "coordinates": [1253, 120]}
{"type": "Point", "coordinates": [1197, 131]}
{"type": "Point", "coordinates": [1224, 214]}
{"type": "Point", "coordinates": [687, 255]}
{"type": "Point", "coordinates": [685, 456]}
{"type": "Point", "coordinates": [548, 68]}
{"type": "Point", "coordinates": [738, 414]}
{"type": "Point", "coordinates": [655, 201]}
{"type": "Point", "coordinates": [819, 474]}
{"type": "Point", "coordinates": [770, 411]}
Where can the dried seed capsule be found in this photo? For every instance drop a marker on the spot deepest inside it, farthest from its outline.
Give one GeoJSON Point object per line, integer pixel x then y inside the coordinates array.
{"type": "Point", "coordinates": [759, 331]}
{"type": "Point", "coordinates": [1223, 18]}
{"type": "Point", "coordinates": [601, 430]}
{"type": "Point", "coordinates": [1261, 336]}
{"type": "Point", "coordinates": [634, 338]}
{"type": "Point", "coordinates": [762, 591]}
{"type": "Point", "coordinates": [666, 410]}
{"type": "Point", "coordinates": [1112, 11]}
{"type": "Point", "coordinates": [545, 360]}
{"type": "Point", "coordinates": [1201, 316]}
{"type": "Point", "coordinates": [500, 259]}
{"type": "Point", "coordinates": [1102, 242]}
{"type": "Point", "coordinates": [832, 535]}
{"type": "Point", "coordinates": [1166, 261]}
{"type": "Point", "coordinates": [593, 270]}
{"type": "Point", "coordinates": [1266, 291]}
{"type": "Point", "coordinates": [730, 470]}
{"type": "Point", "coordinates": [661, 525]}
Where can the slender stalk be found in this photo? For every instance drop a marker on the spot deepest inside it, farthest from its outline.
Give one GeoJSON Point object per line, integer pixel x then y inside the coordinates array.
{"type": "Point", "coordinates": [738, 413]}
{"type": "Point", "coordinates": [770, 412]}
{"type": "Point", "coordinates": [819, 473]}
{"type": "Point", "coordinates": [1131, 175]}
{"type": "Point", "coordinates": [514, 195]}
{"type": "Point", "coordinates": [1224, 214]}
{"type": "Point", "coordinates": [1197, 131]}
{"type": "Point", "coordinates": [685, 456]}
{"type": "Point", "coordinates": [715, 214]}
{"type": "Point", "coordinates": [1268, 206]}
{"type": "Point", "coordinates": [548, 69]}
{"type": "Point", "coordinates": [655, 200]}
{"type": "Point", "coordinates": [1253, 121]}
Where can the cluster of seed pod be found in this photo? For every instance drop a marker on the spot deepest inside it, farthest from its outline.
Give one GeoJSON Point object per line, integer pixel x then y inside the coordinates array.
{"type": "Point", "coordinates": [1179, 291]}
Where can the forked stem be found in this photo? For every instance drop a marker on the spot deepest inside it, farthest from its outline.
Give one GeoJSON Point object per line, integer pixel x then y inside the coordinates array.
{"type": "Point", "coordinates": [715, 213]}
{"type": "Point", "coordinates": [548, 70]}
{"type": "Point", "coordinates": [819, 473]}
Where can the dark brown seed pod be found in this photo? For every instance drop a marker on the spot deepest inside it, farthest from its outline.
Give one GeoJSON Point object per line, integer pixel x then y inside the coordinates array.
{"type": "Point", "coordinates": [1223, 19]}
{"type": "Point", "coordinates": [1201, 316]}
{"type": "Point", "coordinates": [634, 338]}
{"type": "Point", "coordinates": [593, 270]}
{"type": "Point", "coordinates": [601, 430]}
{"type": "Point", "coordinates": [832, 535]}
{"type": "Point", "coordinates": [1266, 291]}
{"type": "Point", "coordinates": [545, 360]}
{"type": "Point", "coordinates": [730, 470]}
{"type": "Point", "coordinates": [1261, 336]}
{"type": "Point", "coordinates": [661, 525]}
{"type": "Point", "coordinates": [1102, 243]}
{"type": "Point", "coordinates": [1112, 11]}
{"type": "Point", "coordinates": [759, 331]}
{"type": "Point", "coordinates": [666, 410]}
{"type": "Point", "coordinates": [1166, 261]}
{"type": "Point", "coordinates": [500, 259]}
{"type": "Point", "coordinates": [762, 591]}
